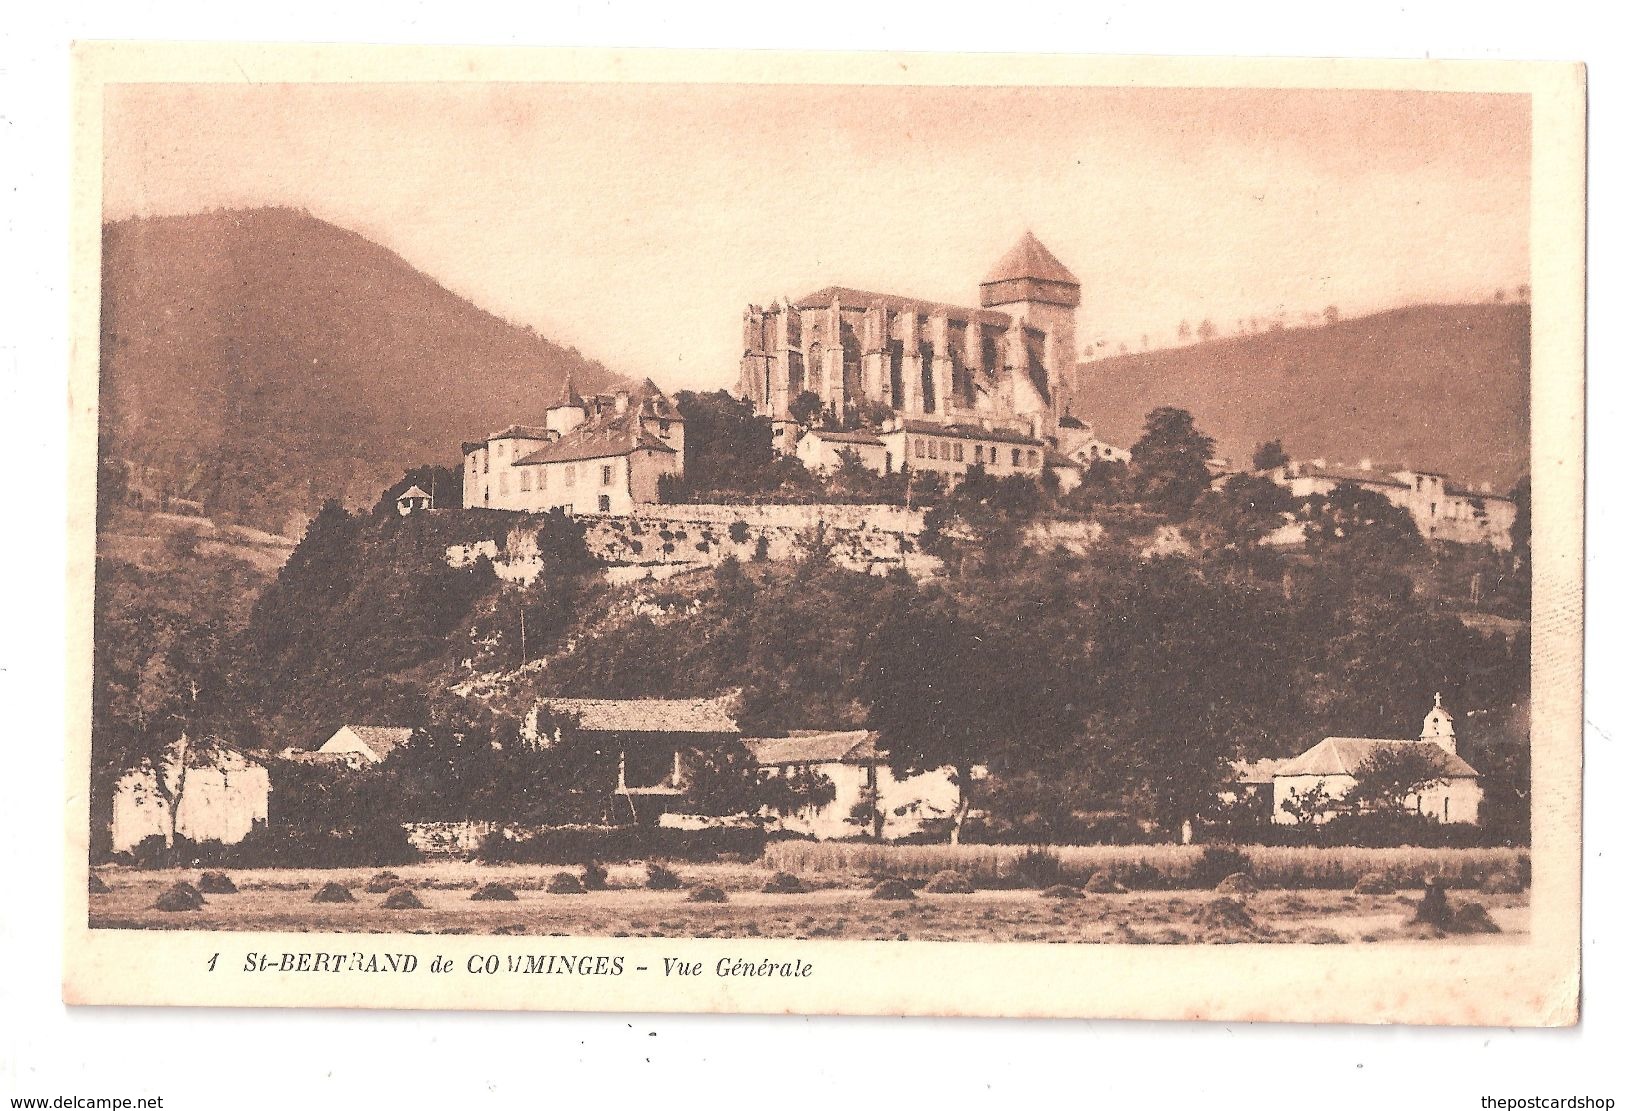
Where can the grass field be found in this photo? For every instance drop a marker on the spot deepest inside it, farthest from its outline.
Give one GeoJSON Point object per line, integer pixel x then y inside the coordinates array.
{"type": "Point", "coordinates": [838, 904]}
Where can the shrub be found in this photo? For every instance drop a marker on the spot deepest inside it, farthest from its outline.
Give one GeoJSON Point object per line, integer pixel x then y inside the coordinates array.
{"type": "Point", "coordinates": [402, 898]}
{"type": "Point", "coordinates": [585, 844]}
{"type": "Point", "coordinates": [1471, 918]}
{"type": "Point", "coordinates": [1224, 914]}
{"type": "Point", "coordinates": [331, 892]}
{"type": "Point", "coordinates": [710, 893]}
{"type": "Point", "coordinates": [1102, 883]}
{"type": "Point", "coordinates": [1237, 883]}
{"type": "Point", "coordinates": [494, 893]}
{"type": "Point", "coordinates": [594, 876]}
{"type": "Point", "coordinates": [565, 883]}
{"type": "Point", "coordinates": [784, 883]}
{"type": "Point", "coordinates": [949, 882]}
{"type": "Point", "coordinates": [892, 889]}
{"type": "Point", "coordinates": [1038, 868]}
{"type": "Point", "coordinates": [738, 532]}
{"type": "Point", "coordinates": [98, 886]}
{"type": "Point", "coordinates": [1218, 862]}
{"type": "Point", "coordinates": [1500, 883]}
{"type": "Point", "coordinates": [662, 878]}
{"type": "Point", "coordinates": [1061, 891]}
{"type": "Point", "coordinates": [216, 883]}
{"type": "Point", "coordinates": [180, 896]}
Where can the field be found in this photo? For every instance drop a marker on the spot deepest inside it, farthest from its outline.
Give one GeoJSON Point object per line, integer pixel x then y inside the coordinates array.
{"type": "Point", "coordinates": [839, 902]}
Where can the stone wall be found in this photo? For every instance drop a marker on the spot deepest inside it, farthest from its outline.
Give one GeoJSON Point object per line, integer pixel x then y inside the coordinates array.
{"type": "Point", "coordinates": [658, 540]}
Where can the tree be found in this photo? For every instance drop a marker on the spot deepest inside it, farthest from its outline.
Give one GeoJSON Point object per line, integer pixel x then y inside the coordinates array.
{"type": "Point", "coordinates": [1360, 522]}
{"type": "Point", "coordinates": [442, 484]}
{"type": "Point", "coordinates": [1310, 805]}
{"type": "Point", "coordinates": [1330, 314]}
{"type": "Point", "coordinates": [1270, 455]}
{"type": "Point", "coordinates": [1184, 331]}
{"type": "Point", "coordinates": [1390, 774]}
{"type": "Point", "coordinates": [1169, 469]}
{"type": "Point", "coordinates": [934, 694]}
{"type": "Point", "coordinates": [806, 407]}
{"type": "Point", "coordinates": [1206, 331]}
{"type": "Point", "coordinates": [725, 779]}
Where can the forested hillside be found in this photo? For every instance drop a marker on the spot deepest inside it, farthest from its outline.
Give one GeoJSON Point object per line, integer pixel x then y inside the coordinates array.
{"type": "Point", "coordinates": [1438, 386]}
{"type": "Point", "coordinates": [263, 361]}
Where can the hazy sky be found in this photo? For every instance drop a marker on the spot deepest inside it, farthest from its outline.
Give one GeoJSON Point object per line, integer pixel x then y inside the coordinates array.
{"type": "Point", "coordinates": [636, 221]}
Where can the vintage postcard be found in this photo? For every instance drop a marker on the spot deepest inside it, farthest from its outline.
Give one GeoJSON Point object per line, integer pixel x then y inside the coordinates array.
{"type": "Point", "coordinates": [865, 534]}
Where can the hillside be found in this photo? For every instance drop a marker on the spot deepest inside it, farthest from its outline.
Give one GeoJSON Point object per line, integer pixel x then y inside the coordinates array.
{"type": "Point", "coordinates": [1438, 386]}
{"type": "Point", "coordinates": [265, 360]}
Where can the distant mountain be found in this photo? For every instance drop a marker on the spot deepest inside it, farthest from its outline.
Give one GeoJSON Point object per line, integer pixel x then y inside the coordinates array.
{"type": "Point", "coordinates": [1438, 386]}
{"type": "Point", "coordinates": [262, 361]}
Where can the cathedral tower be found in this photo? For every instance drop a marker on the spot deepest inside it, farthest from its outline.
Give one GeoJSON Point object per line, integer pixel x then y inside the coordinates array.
{"type": "Point", "coordinates": [1034, 287]}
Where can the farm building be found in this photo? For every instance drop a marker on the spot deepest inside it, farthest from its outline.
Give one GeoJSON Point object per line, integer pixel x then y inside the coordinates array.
{"type": "Point", "coordinates": [869, 799]}
{"type": "Point", "coordinates": [1333, 763]}
{"type": "Point", "coordinates": [1251, 780]}
{"type": "Point", "coordinates": [219, 793]}
{"type": "Point", "coordinates": [651, 736]}
{"type": "Point", "coordinates": [362, 745]}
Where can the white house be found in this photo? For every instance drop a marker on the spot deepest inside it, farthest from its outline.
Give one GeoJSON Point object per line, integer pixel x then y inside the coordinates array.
{"type": "Point", "coordinates": [364, 745]}
{"type": "Point", "coordinates": [1332, 764]}
{"type": "Point", "coordinates": [221, 795]}
{"type": "Point", "coordinates": [869, 799]}
{"type": "Point", "coordinates": [602, 454]}
{"type": "Point", "coordinates": [821, 450]}
{"type": "Point", "coordinates": [1441, 509]}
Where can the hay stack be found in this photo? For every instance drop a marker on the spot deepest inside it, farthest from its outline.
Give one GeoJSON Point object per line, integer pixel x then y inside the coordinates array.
{"type": "Point", "coordinates": [1373, 883]}
{"type": "Point", "coordinates": [565, 883]}
{"type": "Point", "coordinates": [1102, 884]}
{"type": "Point", "coordinates": [331, 892]}
{"type": "Point", "coordinates": [1472, 918]}
{"type": "Point", "coordinates": [950, 882]}
{"type": "Point", "coordinates": [1061, 891]}
{"type": "Point", "coordinates": [784, 883]}
{"type": "Point", "coordinates": [662, 878]}
{"type": "Point", "coordinates": [892, 889]}
{"type": "Point", "coordinates": [1224, 914]}
{"type": "Point", "coordinates": [710, 893]}
{"type": "Point", "coordinates": [180, 896]}
{"type": "Point", "coordinates": [402, 898]}
{"type": "Point", "coordinates": [216, 883]}
{"type": "Point", "coordinates": [382, 882]}
{"type": "Point", "coordinates": [98, 886]}
{"type": "Point", "coordinates": [494, 893]}
{"type": "Point", "coordinates": [1237, 883]}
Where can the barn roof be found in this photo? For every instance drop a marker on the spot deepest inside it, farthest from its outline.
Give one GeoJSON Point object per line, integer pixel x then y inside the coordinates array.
{"type": "Point", "coordinates": [852, 746]}
{"type": "Point", "coordinates": [382, 739]}
{"type": "Point", "coordinates": [1342, 755]}
{"type": "Point", "coordinates": [646, 715]}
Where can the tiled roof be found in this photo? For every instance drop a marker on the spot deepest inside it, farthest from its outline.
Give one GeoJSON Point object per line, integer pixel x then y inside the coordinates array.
{"type": "Point", "coordinates": [382, 739]}
{"type": "Point", "coordinates": [1030, 259]}
{"type": "Point", "coordinates": [853, 746]}
{"type": "Point", "coordinates": [1342, 755]}
{"type": "Point", "coordinates": [969, 432]}
{"type": "Point", "coordinates": [845, 437]}
{"type": "Point", "coordinates": [1336, 473]}
{"type": "Point", "coordinates": [646, 715]}
{"type": "Point", "coordinates": [596, 442]}
{"type": "Point", "coordinates": [1054, 458]}
{"type": "Point", "coordinates": [868, 299]}
{"type": "Point", "coordinates": [414, 492]}
{"type": "Point", "coordinates": [520, 432]}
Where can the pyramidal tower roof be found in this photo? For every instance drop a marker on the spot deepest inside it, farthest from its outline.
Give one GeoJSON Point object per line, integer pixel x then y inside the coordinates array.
{"type": "Point", "coordinates": [1030, 259]}
{"type": "Point", "coordinates": [568, 397]}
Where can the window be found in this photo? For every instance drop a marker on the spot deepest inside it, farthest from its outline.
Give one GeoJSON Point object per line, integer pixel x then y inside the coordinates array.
{"type": "Point", "coordinates": [570, 474]}
{"type": "Point", "coordinates": [607, 474]}
{"type": "Point", "coordinates": [665, 428]}
{"type": "Point", "coordinates": [931, 449]}
{"type": "Point", "coordinates": [603, 503]}
{"type": "Point", "coordinates": [993, 455]}
{"type": "Point", "coordinates": [919, 449]}
{"type": "Point", "coordinates": [778, 433]}
{"type": "Point", "coordinates": [978, 453]}
{"type": "Point", "coordinates": [524, 480]}
{"type": "Point", "coordinates": [485, 461]}
{"type": "Point", "coordinates": [502, 482]}
{"type": "Point", "coordinates": [959, 453]}
{"type": "Point", "coordinates": [541, 479]}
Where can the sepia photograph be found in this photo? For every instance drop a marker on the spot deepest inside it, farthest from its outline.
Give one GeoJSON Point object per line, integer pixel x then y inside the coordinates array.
{"type": "Point", "coordinates": [824, 516]}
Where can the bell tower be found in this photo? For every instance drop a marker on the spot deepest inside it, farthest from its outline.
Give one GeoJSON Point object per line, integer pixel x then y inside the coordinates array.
{"type": "Point", "coordinates": [1033, 286]}
{"type": "Point", "coordinates": [1439, 727]}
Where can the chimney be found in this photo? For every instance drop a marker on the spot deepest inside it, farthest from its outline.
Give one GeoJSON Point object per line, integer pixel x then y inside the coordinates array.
{"type": "Point", "coordinates": [621, 402]}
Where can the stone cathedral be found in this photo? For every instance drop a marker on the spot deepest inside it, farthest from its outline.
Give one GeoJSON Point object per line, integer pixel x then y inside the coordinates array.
{"type": "Point", "coordinates": [1012, 361]}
